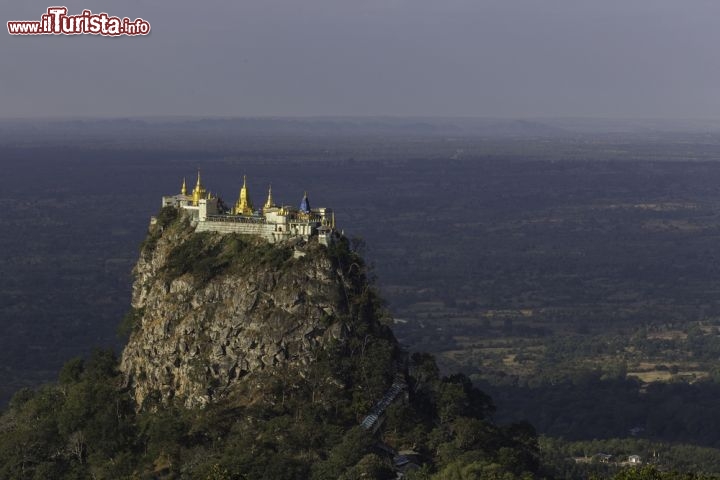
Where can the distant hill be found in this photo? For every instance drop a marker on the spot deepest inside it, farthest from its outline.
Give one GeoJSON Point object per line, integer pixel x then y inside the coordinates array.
{"type": "Point", "coordinates": [351, 126]}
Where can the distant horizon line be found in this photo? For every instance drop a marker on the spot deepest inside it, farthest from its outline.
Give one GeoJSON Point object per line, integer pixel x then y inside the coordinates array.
{"type": "Point", "coordinates": [359, 117]}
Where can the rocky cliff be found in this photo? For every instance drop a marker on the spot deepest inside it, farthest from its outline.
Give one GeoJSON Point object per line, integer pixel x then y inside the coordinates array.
{"type": "Point", "coordinates": [215, 316]}
{"type": "Point", "coordinates": [283, 346]}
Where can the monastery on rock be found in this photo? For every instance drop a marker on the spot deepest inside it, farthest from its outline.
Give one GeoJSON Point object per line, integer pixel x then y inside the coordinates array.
{"type": "Point", "coordinates": [273, 222]}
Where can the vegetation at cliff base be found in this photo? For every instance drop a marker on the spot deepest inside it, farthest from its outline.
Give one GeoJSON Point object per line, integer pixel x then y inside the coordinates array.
{"type": "Point", "coordinates": [85, 427]}
{"type": "Point", "coordinates": [81, 427]}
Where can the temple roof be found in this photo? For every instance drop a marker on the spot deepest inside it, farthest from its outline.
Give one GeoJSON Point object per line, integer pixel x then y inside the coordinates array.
{"type": "Point", "coordinates": [305, 204]}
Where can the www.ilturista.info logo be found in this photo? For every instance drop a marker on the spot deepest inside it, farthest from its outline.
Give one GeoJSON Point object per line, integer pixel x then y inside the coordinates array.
{"type": "Point", "coordinates": [57, 22]}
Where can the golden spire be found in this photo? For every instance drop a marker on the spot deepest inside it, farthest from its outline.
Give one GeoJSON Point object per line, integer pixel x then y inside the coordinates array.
{"type": "Point", "coordinates": [183, 189]}
{"type": "Point", "coordinates": [199, 191]}
{"type": "Point", "coordinates": [333, 220]}
{"type": "Point", "coordinates": [244, 204]}
{"type": "Point", "coordinates": [269, 203]}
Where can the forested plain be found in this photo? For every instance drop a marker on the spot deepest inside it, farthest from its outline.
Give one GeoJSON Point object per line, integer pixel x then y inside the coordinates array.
{"type": "Point", "coordinates": [573, 278]}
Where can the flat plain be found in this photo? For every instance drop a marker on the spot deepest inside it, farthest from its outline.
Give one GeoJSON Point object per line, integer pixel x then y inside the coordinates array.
{"type": "Point", "coordinates": [521, 261]}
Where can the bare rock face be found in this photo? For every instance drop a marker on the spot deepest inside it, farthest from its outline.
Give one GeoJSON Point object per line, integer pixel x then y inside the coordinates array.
{"type": "Point", "coordinates": [214, 313]}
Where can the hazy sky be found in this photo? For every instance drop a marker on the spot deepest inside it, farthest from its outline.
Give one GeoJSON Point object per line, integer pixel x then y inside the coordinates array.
{"type": "Point", "coordinates": [495, 58]}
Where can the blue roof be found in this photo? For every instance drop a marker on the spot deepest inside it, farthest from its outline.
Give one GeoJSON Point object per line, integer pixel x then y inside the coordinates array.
{"type": "Point", "coordinates": [305, 205]}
